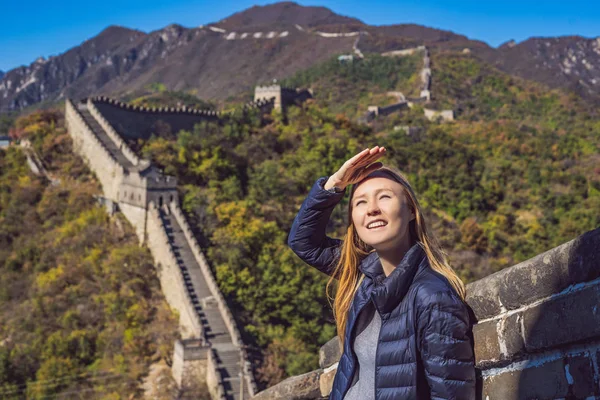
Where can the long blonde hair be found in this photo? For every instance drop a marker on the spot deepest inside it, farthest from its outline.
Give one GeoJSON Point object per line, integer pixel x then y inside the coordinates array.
{"type": "Point", "coordinates": [353, 250]}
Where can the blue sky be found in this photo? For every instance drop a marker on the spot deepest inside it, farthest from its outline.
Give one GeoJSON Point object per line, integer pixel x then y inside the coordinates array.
{"type": "Point", "coordinates": [34, 28]}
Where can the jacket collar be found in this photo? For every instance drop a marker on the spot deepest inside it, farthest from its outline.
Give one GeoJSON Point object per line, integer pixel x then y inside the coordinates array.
{"type": "Point", "coordinates": [389, 291]}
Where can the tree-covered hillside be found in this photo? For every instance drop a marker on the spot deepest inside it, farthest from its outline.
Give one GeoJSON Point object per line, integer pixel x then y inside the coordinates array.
{"type": "Point", "coordinates": [350, 87]}
{"type": "Point", "coordinates": [81, 311]}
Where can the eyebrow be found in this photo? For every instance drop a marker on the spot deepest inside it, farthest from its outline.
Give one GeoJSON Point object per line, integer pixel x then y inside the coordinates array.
{"type": "Point", "coordinates": [377, 191]}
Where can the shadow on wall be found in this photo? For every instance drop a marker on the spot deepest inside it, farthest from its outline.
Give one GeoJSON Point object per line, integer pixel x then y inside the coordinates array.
{"type": "Point", "coordinates": [538, 334]}
{"type": "Point", "coordinates": [564, 327]}
{"type": "Point", "coordinates": [133, 124]}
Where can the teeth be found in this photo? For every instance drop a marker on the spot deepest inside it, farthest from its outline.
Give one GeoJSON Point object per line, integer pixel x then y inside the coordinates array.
{"type": "Point", "coordinates": [376, 224]}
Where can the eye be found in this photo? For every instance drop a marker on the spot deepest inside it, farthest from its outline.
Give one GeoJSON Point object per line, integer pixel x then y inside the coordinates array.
{"type": "Point", "coordinates": [362, 201]}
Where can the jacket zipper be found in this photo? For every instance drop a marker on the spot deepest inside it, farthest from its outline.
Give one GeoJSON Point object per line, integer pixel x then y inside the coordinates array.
{"type": "Point", "coordinates": [376, 350]}
{"type": "Point", "coordinates": [378, 340]}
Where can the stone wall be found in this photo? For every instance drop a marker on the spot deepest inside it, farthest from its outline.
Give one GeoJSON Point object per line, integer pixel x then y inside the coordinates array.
{"type": "Point", "coordinates": [95, 154]}
{"type": "Point", "coordinates": [133, 122]}
{"type": "Point", "coordinates": [281, 96]}
{"type": "Point", "coordinates": [403, 52]}
{"type": "Point", "coordinates": [213, 378]}
{"type": "Point", "coordinates": [268, 93]}
{"type": "Point", "coordinates": [149, 185]}
{"type": "Point", "coordinates": [137, 218]}
{"type": "Point", "coordinates": [147, 198]}
{"type": "Point", "coordinates": [403, 102]}
{"type": "Point", "coordinates": [444, 115]}
{"type": "Point", "coordinates": [114, 136]}
{"type": "Point", "coordinates": [392, 108]}
{"type": "Point", "coordinates": [171, 277]}
{"type": "Point", "coordinates": [190, 359]}
{"type": "Point", "coordinates": [537, 331]}
{"type": "Point", "coordinates": [218, 296]}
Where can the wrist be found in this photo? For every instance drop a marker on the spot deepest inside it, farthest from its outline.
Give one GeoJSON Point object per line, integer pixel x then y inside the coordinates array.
{"type": "Point", "coordinates": [333, 182]}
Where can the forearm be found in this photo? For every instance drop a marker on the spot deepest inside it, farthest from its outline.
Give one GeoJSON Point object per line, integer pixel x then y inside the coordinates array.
{"type": "Point", "coordinates": [307, 237]}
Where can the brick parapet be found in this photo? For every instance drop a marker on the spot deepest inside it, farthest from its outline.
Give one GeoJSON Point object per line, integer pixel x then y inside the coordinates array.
{"type": "Point", "coordinates": [72, 114]}
{"type": "Point", "coordinates": [213, 378]}
{"type": "Point", "coordinates": [94, 152]}
{"type": "Point", "coordinates": [113, 135]}
{"type": "Point", "coordinates": [155, 110]}
{"type": "Point", "coordinates": [162, 251]}
{"type": "Point", "coordinates": [216, 292]}
{"type": "Point", "coordinates": [190, 359]}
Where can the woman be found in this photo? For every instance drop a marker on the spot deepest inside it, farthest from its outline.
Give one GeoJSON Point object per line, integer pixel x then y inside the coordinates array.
{"type": "Point", "coordinates": [403, 325]}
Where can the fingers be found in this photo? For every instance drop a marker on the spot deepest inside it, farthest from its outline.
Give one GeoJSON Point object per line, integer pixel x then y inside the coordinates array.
{"type": "Point", "coordinates": [373, 155]}
{"type": "Point", "coordinates": [358, 156]}
{"type": "Point", "coordinates": [370, 168]}
{"type": "Point", "coordinates": [358, 167]}
{"type": "Point", "coordinates": [365, 156]}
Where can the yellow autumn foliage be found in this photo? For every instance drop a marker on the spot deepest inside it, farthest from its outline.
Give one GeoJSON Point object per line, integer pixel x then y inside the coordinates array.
{"type": "Point", "coordinates": [46, 280]}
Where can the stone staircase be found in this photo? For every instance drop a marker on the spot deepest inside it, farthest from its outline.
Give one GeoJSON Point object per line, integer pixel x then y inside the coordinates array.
{"type": "Point", "coordinates": [103, 136]}
{"type": "Point", "coordinates": [229, 367]}
{"type": "Point", "coordinates": [216, 332]}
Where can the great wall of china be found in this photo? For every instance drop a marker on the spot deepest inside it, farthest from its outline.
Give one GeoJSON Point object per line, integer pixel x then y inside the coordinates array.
{"type": "Point", "coordinates": [373, 111]}
{"type": "Point", "coordinates": [519, 351]}
{"type": "Point", "coordinates": [211, 344]}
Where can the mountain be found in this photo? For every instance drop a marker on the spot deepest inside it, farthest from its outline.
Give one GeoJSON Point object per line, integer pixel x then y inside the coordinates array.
{"type": "Point", "coordinates": [562, 62]}
{"type": "Point", "coordinates": [1, 74]}
{"type": "Point", "coordinates": [285, 14]}
{"type": "Point", "coordinates": [255, 46]}
{"type": "Point", "coordinates": [78, 70]}
{"type": "Point", "coordinates": [180, 58]}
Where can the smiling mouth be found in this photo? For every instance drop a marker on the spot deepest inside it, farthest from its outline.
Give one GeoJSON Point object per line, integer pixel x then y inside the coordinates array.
{"type": "Point", "coordinates": [377, 227]}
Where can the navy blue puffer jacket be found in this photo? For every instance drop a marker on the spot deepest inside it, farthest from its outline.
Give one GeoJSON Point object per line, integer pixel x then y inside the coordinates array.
{"type": "Point", "coordinates": [425, 346]}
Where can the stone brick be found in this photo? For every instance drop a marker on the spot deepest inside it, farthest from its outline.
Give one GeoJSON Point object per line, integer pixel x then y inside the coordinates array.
{"type": "Point", "coordinates": [580, 376]}
{"type": "Point", "coordinates": [546, 381]}
{"type": "Point", "coordinates": [326, 381]}
{"type": "Point", "coordinates": [330, 353]}
{"type": "Point", "coordinates": [301, 387]}
{"type": "Point", "coordinates": [563, 320]}
{"type": "Point", "coordinates": [511, 335]}
{"type": "Point", "coordinates": [534, 279]}
{"type": "Point", "coordinates": [482, 296]}
{"type": "Point", "coordinates": [539, 277]}
{"type": "Point", "coordinates": [485, 336]}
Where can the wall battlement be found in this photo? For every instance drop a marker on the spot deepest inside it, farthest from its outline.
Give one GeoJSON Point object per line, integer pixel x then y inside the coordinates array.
{"type": "Point", "coordinates": [154, 110]}
{"type": "Point", "coordinates": [281, 96]}
{"type": "Point", "coordinates": [133, 122]}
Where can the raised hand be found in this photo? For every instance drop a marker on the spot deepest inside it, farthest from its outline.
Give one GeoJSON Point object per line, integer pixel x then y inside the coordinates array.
{"type": "Point", "coordinates": [356, 168]}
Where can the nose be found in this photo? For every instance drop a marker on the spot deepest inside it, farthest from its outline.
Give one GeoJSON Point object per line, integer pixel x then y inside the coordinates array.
{"type": "Point", "coordinates": [373, 209]}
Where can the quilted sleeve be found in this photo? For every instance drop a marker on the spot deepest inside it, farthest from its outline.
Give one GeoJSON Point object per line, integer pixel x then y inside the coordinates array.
{"type": "Point", "coordinates": [444, 333]}
{"type": "Point", "coordinates": [307, 238]}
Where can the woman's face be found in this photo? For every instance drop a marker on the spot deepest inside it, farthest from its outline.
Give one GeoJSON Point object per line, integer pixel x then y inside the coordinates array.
{"type": "Point", "coordinates": [383, 200]}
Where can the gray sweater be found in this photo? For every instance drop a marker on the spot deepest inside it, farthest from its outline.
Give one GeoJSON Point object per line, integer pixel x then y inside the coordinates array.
{"type": "Point", "coordinates": [365, 344]}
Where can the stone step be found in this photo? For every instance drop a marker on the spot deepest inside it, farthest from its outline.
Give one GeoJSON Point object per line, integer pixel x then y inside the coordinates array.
{"type": "Point", "coordinates": [216, 330]}
{"type": "Point", "coordinates": [229, 360]}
